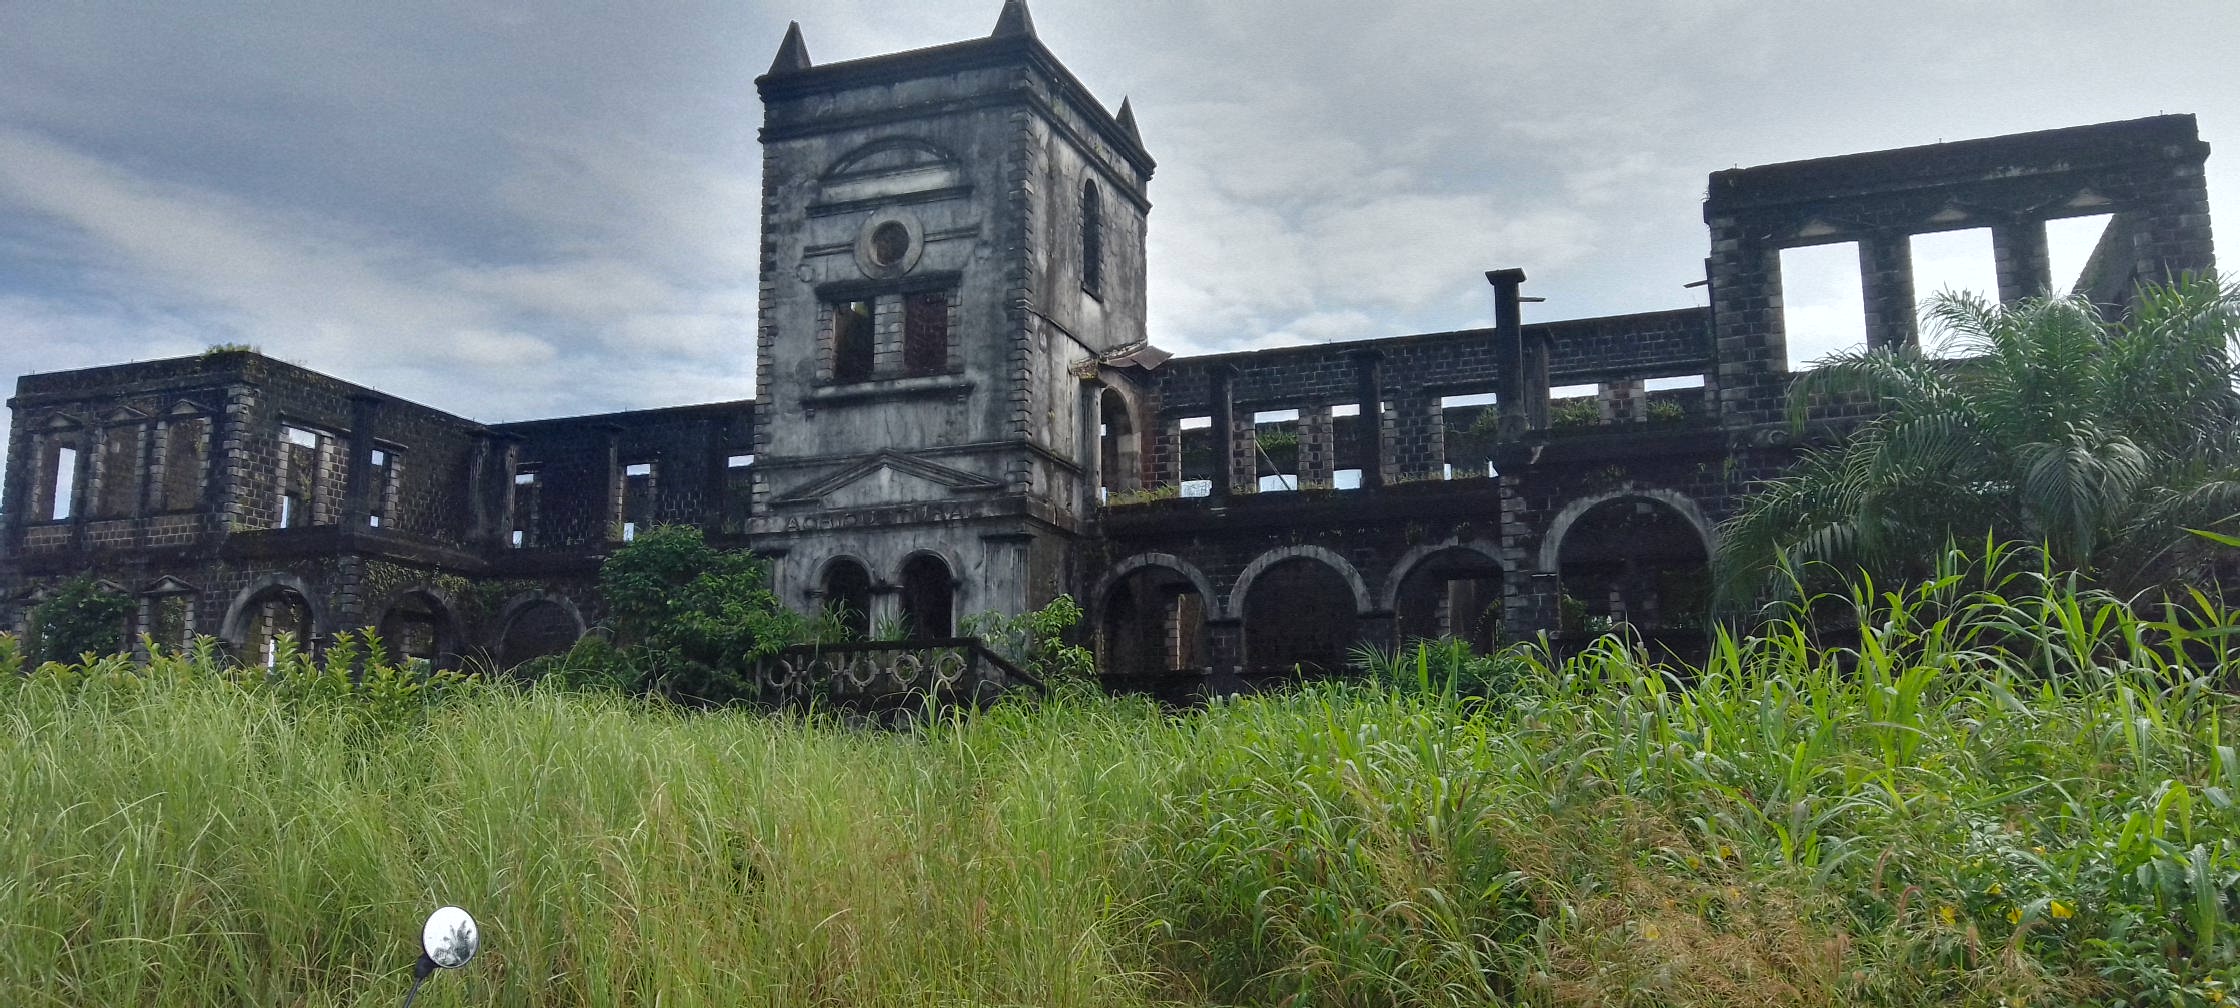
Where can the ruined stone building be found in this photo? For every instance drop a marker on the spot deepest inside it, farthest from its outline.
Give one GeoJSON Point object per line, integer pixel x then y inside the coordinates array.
{"type": "Point", "coordinates": [957, 409]}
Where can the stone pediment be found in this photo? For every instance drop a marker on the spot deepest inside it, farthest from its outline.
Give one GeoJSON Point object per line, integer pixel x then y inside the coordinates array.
{"type": "Point", "coordinates": [887, 478]}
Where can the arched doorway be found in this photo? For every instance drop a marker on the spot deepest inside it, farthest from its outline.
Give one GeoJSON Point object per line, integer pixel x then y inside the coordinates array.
{"type": "Point", "coordinates": [1119, 447]}
{"type": "Point", "coordinates": [535, 628]}
{"type": "Point", "coordinates": [1638, 560]}
{"type": "Point", "coordinates": [257, 624]}
{"type": "Point", "coordinates": [928, 598]}
{"type": "Point", "coordinates": [1454, 592]}
{"type": "Point", "coordinates": [847, 596]}
{"type": "Point", "coordinates": [1153, 625]}
{"type": "Point", "coordinates": [1299, 620]}
{"type": "Point", "coordinates": [418, 626]}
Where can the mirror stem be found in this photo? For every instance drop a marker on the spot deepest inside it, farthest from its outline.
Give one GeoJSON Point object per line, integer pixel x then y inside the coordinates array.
{"type": "Point", "coordinates": [420, 972]}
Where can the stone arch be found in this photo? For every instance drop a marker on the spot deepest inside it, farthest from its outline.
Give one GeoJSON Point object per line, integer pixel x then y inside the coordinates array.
{"type": "Point", "coordinates": [419, 622]}
{"type": "Point", "coordinates": [1447, 589]}
{"type": "Point", "coordinates": [1345, 570]}
{"type": "Point", "coordinates": [1551, 544]}
{"type": "Point", "coordinates": [1150, 614]}
{"type": "Point", "coordinates": [535, 624]}
{"type": "Point", "coordinates": [1299, 611]}
{"type": "Point", "coordinates": [844, 582]}
{"type": "Point", "coordinates": [1142, 560]}
{"type": "Point", "coordinates": [1645, 562]}
{"type": "Point", "coordinates": [1119, 441]}
{"type": "Point", "coordinates": [928, 583]}
{"type": "Point", "coordinates": [250, 609]}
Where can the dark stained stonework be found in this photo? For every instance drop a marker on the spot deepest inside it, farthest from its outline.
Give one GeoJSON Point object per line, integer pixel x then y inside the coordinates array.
{"type": "Point", "coordinates": [953, 412]}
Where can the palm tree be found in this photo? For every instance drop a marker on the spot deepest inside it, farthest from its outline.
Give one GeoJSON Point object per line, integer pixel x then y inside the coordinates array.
{"type": "Point", "coordinates": [2105, 441]}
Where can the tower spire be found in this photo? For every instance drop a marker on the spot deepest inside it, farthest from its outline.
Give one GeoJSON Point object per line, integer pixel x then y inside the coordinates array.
{"type": "Point", "coordinates": [1014, 20]}
{"type": "Point", "coordinates": [1126, 117]}
{"type": "Point", "coordinates": [793, 54]}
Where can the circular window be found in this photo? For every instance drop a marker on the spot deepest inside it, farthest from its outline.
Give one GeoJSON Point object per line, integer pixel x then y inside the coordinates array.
{"type": "Point", "coordinates": [890, 241]}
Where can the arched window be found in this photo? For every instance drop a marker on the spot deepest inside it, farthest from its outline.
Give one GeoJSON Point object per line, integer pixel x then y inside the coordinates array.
{"type": "Point", "coordinates": [847, 595]}
{"type": "Point", "coordinates": [1092, 239]}
{"type": "Point", "coordinates": [928, 598]}
{"type": "Point", "coordinates": [1118, 448]}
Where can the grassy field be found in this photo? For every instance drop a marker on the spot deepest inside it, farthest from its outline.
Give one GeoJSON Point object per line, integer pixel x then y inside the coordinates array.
{"type": "Point", "coordinates": [2017, 796]}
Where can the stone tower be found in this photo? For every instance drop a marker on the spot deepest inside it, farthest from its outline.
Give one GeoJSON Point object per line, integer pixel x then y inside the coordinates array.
{"type": "Point", "coordinates": [951, 237]}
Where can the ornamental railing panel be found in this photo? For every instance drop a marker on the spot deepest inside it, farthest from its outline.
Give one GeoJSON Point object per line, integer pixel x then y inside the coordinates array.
{"type": "Point", "coordinates": [885, 674]}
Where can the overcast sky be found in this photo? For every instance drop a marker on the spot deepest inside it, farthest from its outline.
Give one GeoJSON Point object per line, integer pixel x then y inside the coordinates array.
{"type": "Point", "coordinates": [513, 210]}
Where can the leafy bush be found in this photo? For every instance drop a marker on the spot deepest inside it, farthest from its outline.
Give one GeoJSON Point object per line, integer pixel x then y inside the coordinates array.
{"type": "Point", "coordinates": [690, 620]}
{"type": "Point", "coordinates": [80, 618]}
{"type": "Point", "coordinates": [1036, 641]}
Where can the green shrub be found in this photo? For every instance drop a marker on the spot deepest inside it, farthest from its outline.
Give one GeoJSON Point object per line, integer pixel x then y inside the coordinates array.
{"type": "Point", "coordinates": [1036, 642]}
{"type": "Point", "coordinates": [690, 619]}
{"type": "Point", "coordinates": [81, 618]}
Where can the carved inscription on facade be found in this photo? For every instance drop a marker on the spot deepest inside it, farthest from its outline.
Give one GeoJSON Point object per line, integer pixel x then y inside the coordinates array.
{"type": "Point", "coordinates": [871, 517]}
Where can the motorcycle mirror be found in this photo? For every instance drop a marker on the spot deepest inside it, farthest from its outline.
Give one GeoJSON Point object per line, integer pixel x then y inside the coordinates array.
{"type": "Point", "coordinates": [447, 941]}
{"type": "Point", "coordinates": [450, 938]}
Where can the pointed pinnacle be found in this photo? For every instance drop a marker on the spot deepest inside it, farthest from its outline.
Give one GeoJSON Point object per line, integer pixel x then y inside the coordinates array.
{"type": "Point", "coordinates": [793, 54]}
{"type": "Point", "coordinates": [1126, 117]}
{"type": "Point", "coordinates": [1014, 20]}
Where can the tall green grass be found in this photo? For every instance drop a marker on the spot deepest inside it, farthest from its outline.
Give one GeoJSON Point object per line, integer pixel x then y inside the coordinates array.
{"type": "Point", "coordinates": [1990, 789]}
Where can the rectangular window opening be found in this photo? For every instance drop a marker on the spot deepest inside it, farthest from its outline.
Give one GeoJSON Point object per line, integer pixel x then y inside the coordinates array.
{"type": "Point", "coordinates": [1468, 399]}
{"type": "Point", "coordinates": [1196, 423]}
{"type": "Point", "coordinates": [2070, 243]}
{"type": "Point", "coordinates": [739, 461]}
{"type": "Point", "coordinates": [65, 483]}
{"type": "Point", "coordinates": [1346, 479]}
{"type": "Point", "coordinates": [1346, 410]}
{"type": "Point", "coordinates": [1823, 303]}
{"type": "Point", "coordinates": [183, 462]}
{"type": "Point", "coordinates": [1952, 262]}
{"type": "Point", "coordinates": [925, 334]}
{"type": "Point", "coordinates": [851, 341]}
{"type": "Point", "coordinates": [1678, 382]}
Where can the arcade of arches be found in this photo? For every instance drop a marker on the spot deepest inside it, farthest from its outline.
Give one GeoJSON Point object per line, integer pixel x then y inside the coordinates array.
{"type": "Point", "coordinates": [1635, 558]}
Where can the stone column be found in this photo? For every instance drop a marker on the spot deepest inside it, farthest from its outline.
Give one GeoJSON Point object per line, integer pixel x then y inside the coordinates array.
{"type": "Point", "coordinates": [1368, 387]}
{"type": "Point", "coordinates": [1224, 655]}
{"type": "Point", "coordinates": [1886, 284]}
{"type": "Point", "coordinates": [508, 465]}
{"type": "Point", "coordinates": [357, 475]}
{"type": "Point", "coordinates": [2018, 250]}
{"type": "Point", "coordinates": [81, 485]}
{"type": "Point", "coordinates": [1317, 452]}
{"type": "Point", "coordinates": [1221, 403]}
{"type": "Point", "coordinates": [611, 485]}
{"type": "Point", "coordinates": [1166, 454]}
